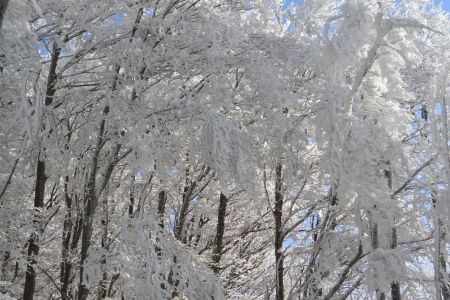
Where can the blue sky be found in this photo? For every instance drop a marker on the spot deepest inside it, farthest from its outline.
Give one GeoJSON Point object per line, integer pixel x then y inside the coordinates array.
{"type": "Point", "coordinates": [445, 4]}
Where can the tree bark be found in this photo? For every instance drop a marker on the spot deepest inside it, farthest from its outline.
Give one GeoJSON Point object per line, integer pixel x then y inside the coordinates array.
{"type": "Point", "coordinates": [375, 245]}
{"type": "Point", "coordinates": [3, 6]}
{"type": "Point", "coordinates": [71, 236]}
{"type": "Point", "coordinates": [162, 198]}
{"type": "Point", "coordinates": [217, 252]}
{"type": "Point", "coordinates": [33, 242]}
{"type": "Point", "coordinates": [395, 286]}
{"type": "Point", "coordinates": [39, 192]}
{"type": "Point", "coordinates": [443, 282]}
{"type": "Point", "coordinates": [67, 233]}
{"type": "Point", "coordinates": [131, 205]}
{"type": "Point", "coordinates": [440, 265]}
{"type": "Point", "coordinates": [278, 214]}
{"type": "Point", "coordinates": [187, 197]}
{"type": "Point", "coordinates": [70, 243]}
{"type": "Point", "coordinates": [179, 228]}
{"type": "Point", "coordinates": [90, 203]}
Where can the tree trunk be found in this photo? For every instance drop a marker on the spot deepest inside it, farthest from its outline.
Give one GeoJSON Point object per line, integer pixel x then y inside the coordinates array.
{"type": "Point", "coordinates": [443, 282]}
{"type": "Point", "coordinates": [71, 231]}
{"type": "Point", "coordinates": [39, 192]}
{"type": "Point", "coordinates": [70, 243]}
{"type": "Point", "coordinates": [67, 233]}
{"type": "Point", "coordinates": [90, 203]}
{"type": "Point", "coordinates": [188, 191]}
{"type": "Point", "coordinates": [181, 219]}
{"type": "Point", "coordinates": [440, 265]}
{"type": "Point", "coordinates": [102, 287]}
{"type": "Point", "coordinates": [3, 6]}
{"type": "Point", "coordinates": [6, 257]}
{"type": "Point", "coordinates": [131, 205]}
{"type": "Point", "coordinates": [395, 286]}
{"type": "Point", "coordinates": [278, 214]}
{"type": "Point", "coordinates": [33, 242]}
{"type": "Point", "coordinates": [375, 245]}
{"type": "Point", "coordinates": [162, 198]}
{"type": "Point", "coordinates": [217, 252]}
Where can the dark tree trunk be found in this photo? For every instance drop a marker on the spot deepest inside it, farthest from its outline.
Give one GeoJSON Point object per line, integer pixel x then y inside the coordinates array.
{"type": "Point", "coordinates": [131, 205]}
{"type": "Point", "coordinates": [6, 257]}
{"type": "Point", "coordinates": [444, 283]}
{"type": "Point", "coordinates": [162, 198]}
{"type": "Point", "coordinates": [86, 237]}
{"type": "Point", "coordinates": [278, 214]}
{"type": "Point", "coordinates": [70, 243]}
{"type": "Point", "coordinates": [440, 265]}
{"type": "Point", "coordinates": [33, 242]}
{"type": "Point", "coordinates": [188, 191]}
{"type": "Point", "coordinates": [33, 246]}
{"type": "Point", "coordinates": [161, 208]}
{"type": "Point", "coordinates": [102, 286]}
{"type": "Point", "coordinates": [3, 6]}
{"type": "Point", "coordinates": [375, 245]}
{"type": "Point", "coordinates": [311, 284]}
{"type": "Point", "coordinates": [181, 219]}
{"type": "Point", "coordinates": [395, 286]}
{"type": "Point", "coordinates": [217, 252]}
{"type": "Point", "coordinates": [91, 199]}
{"type": "Point", "coordinates": [201, 223]}
{"type": "Point", "coordinates": [67, 234]}
{"type": "Point", "coordinates": [180, 233]}
{"type": "Point", "coordinates": [90, 203]}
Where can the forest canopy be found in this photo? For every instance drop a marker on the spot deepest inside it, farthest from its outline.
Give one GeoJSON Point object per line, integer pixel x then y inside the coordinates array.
{"type": "Point", "coordinates": [224, 149]}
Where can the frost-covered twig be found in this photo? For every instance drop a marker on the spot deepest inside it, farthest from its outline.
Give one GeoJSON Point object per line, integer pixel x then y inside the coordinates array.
{"type": "Point", "coordinates": [8, 180]}
{"type": "Point", "coordinates": [413, 175]}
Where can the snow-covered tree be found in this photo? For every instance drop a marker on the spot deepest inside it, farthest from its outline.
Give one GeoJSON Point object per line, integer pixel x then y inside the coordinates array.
{"type": "Point", "coordinates": [211, 149]}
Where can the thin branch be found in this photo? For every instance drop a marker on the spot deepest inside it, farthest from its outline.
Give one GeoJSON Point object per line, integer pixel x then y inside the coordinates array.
{"type": "Point", "coordinates": [351, 289]}
{"type": "Point", "coordinates": [344, 274]}
{"type": "Point", "coordinates": [8, 181]}
{"type": "Point", "coordinates": [293, 226]}
{"type": "Point", "coordinates": [411, 178]}
{"type": "Point", "coordinates": [50, 277]}
{"type": "Point", "coordinates": [265, 189]}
